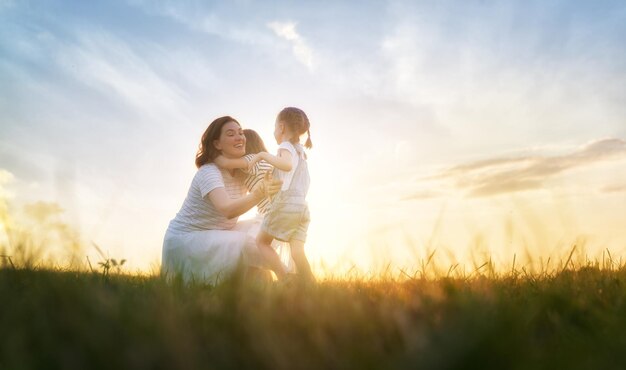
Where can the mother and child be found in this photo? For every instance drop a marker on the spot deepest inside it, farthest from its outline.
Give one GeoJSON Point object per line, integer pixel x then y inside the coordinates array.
{"type": "Point", "coordinates": [205, 241]}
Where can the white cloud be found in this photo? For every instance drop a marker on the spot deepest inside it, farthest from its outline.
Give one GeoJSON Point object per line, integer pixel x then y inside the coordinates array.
{"type": "Point", "coordinates": [6, 177]}
{"type": "Point", "coordinates": [287, 31]}
{"type": "Point", "coordinates": [203, 18]}
{"type": "Point", "coordinates": [478, 82]}
{"type": "Point", "coordinates": [111, 66]}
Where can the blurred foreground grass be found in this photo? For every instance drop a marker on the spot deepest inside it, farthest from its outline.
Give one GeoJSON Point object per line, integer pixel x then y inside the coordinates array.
{"type": "Point", "coordinates": [78, 320]}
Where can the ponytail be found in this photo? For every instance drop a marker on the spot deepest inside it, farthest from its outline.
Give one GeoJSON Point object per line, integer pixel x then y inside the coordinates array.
{"type": "Point", "coordinates": [308, 144]}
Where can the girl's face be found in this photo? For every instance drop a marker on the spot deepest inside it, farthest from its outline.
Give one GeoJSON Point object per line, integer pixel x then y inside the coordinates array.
{"type": "Point", "coordinates": [232, 141]}
{"type": "Point", "coordinates": [279, 131]}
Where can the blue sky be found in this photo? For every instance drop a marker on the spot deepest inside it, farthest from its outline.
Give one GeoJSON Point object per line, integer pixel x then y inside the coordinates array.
{"type": "Point", "coordinates": [102, 105]}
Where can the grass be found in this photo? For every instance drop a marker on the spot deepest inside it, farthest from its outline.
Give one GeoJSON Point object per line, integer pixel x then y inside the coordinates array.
{"type": "Point", "coordinates": [570, 319]}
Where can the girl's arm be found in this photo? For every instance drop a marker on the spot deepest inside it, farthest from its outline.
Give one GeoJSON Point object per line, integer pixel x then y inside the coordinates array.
{"type": "Point", "coordinates": [230, 163]}
{"type": "Point", "coordinates": [236, 207]}
{"type": "Point", "coordinates": [282, 161]}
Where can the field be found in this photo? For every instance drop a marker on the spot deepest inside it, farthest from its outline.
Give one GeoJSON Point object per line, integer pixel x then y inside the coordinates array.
{"type": "Point", "coordinates": [570, 319]}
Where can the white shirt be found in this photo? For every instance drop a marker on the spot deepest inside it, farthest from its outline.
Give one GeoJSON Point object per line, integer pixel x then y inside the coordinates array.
{"type": "Point", "coordinates": [286, 176]}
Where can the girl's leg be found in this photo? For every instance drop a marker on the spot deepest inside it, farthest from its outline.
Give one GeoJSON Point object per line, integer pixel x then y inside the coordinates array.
{"type": "Point", "coordinates": [264, 243]}
{"type": "Point", "coordinates": [302, 263]}
{"type": "Point", "coordinates": [256, 274]}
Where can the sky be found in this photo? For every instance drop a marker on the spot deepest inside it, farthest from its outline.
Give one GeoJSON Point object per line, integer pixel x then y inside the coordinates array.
{"type": "Point", "coordinates": [475, 130]}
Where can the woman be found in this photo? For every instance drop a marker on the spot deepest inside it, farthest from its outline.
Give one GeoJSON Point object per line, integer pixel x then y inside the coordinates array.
{"type": "Point", "coordinates": [204, 242]}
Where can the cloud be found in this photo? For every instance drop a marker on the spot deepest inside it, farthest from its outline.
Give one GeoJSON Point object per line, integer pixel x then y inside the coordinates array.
{"type": "Point", "coordinates": [212, 19]}
{"type": "Point", "coordinates": [287, 31]}
{"type": "Point", "coordinates": [617, 188]}
{"type": "Point", "coordinates": [110, 65]}
{"type": "Point", "coordinates": [422, 195]}
{"type": "Point", "coordinates": [506, 80]}
{"type": "Point", "coordinates": [506, 175]}
{"type": "Point", "coordinates": [6, 177]}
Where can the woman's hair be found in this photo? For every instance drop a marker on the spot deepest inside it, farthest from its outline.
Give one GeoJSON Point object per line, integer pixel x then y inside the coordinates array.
{"type": "Point", "coordinates": [207, 152]}
{"type": "Point", "coordinates": [254, 143]}
{"type": "Point", "coordinates": [297, 121]}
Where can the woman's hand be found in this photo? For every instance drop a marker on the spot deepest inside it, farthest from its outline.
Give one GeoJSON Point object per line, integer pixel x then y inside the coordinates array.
{"type": "Point", "coordinates": [272, 186]}
{"type": "Point", "coordinates": [269, 186]}
{"type": "Point", "coordinates": [236, 207]}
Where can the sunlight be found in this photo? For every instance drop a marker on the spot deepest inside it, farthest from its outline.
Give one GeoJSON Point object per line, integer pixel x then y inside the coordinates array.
{"type": "Point", "coordinates": [529, 228]}
{"type": "Point", "coordinates": [467, 197]}
{"type": "Point", "coordinates": [4, 238]}
{"type": "Point", "coordinates": [423, 141]}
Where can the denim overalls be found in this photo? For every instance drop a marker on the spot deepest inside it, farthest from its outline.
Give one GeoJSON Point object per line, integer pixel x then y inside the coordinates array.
{"type": "Point", "coordinates": [288, 215]}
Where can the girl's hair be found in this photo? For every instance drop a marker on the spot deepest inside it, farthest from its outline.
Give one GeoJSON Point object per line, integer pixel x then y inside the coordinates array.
{"type": "Point", "coordinates": [207, 152]}
{"type": "Point", "coordinates": [297, 121]}
{"type": "Point", "coordinates": [254, 143]}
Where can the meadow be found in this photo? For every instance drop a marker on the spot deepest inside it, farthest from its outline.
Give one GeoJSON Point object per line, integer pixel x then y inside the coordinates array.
{"type": "Point", "coordinates": [93, 314]}
{"type": "Point", "coordinates": [570, 318]}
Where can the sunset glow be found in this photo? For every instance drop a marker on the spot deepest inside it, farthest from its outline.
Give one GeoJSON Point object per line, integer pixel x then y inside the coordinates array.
{"type": "Point", "coordinates": [480, 132]}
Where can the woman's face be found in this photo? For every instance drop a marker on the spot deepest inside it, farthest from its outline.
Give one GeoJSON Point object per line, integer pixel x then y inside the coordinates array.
{"type": "Point", "coordinates": [232, 141]}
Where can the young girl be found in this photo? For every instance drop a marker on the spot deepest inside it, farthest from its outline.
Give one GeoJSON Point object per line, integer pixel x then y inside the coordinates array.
{"type": "Point", "coordinates": [288, 216]}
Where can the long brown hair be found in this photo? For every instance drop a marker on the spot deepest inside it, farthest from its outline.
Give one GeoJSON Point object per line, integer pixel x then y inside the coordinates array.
{"type": "Point", "coordinates": [207, 152]}
{"type": "Point", "coordinates": [298, 122]}
{"type": "Point", "coordinates": [254, 143]}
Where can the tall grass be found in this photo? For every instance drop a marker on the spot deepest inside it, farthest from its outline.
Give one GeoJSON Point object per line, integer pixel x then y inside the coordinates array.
{"type": "Point", "coordinates": [567, 313]}
{"type": "Point", "coordinates": [569, 319]}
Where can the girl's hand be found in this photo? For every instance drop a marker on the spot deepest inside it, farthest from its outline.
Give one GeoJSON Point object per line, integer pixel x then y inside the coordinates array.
{"type": "Point", "coordinates": [257, 157]}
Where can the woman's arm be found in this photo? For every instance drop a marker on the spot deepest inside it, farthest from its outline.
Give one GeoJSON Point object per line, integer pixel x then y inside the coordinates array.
{"type": "Point", "coordinates": [231, 163]}
{"type": "Point", "coordinates": [231, 208]}
{"type": "Point", "coordinates": [282, 161]}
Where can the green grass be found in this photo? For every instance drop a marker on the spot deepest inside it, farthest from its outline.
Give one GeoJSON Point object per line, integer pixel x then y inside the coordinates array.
{"type": "Point", "coordinates": [77, 320]}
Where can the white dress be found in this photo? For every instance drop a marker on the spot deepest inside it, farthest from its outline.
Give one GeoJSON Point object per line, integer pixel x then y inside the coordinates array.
{"type": "Point", "coordinates": [200, 244]}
